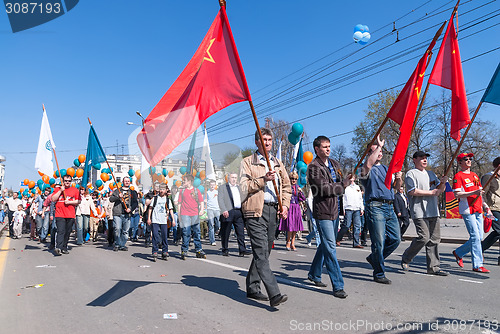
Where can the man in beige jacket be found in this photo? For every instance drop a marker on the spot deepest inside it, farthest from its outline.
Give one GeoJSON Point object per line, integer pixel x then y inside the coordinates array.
{"type": "Point", "coordinates": [260, 211]}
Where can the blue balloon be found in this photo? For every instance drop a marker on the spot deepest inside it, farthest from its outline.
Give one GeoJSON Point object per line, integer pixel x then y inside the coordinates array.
{"type": "Point", "coordinates": [293, 139]}
{"type": "Point", "coordinates": [297, 129]}
{"type": "Point", "coordinates": [164, 172]}
{"type": "Point", "coordinates": [98, 183]}
{"type": "Point", "coordinates": [182, 170]}
{"type": "Point", "coordinates": [105, 170]}
{"type": "Point", "coordinates": [302, 180]}
{"type": "Point", "coordinates": [76, 162]}
{"type": "Point", "coordinates": [40, 181]}
{"type": "Point", "coordinates": [77, 186]}
{"type": "Point", "coordinates": [131, 172]}
{"type": "Point", "coordinates": [110, 170]}
{"type": "Point", "coordinates": [198, 174]}
{"type": "Point", "coordinates": [33, 191]}
{"type": "Point", "coordinates": [57, 174]}
{"type": "Point", "coordinates": [196, 182]}
{"type": "Point", "coordinates": [301, 166]}
{"type": "Point", "coordinates": [202, 189]}
{"type": "Point", "coordinates": [63, 172]}
{"type": "Point", "coordinates": [96, 166]}
{"type": "Point", "coordinates": [153, 170]}
{"type": "Point", "coordinates": [52, 181]}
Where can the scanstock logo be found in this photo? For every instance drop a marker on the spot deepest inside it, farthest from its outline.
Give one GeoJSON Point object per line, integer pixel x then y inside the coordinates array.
{"type": "Point", "coordinates": [26, 14]}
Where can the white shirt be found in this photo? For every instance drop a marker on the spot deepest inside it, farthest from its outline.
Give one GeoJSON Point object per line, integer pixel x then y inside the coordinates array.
{"type": "Point", "coordinates": [212, 200]}
{"type": "Point", "coordinates": [269, 193]}
{"type": "Point", "coordinates": [353, 198]}
{"type": "Point", "coordinates": [236, 196]}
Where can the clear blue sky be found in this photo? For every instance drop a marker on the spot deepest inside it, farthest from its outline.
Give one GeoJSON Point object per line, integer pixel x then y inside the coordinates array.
{"type": "Point", "coordinates": [107, 59]}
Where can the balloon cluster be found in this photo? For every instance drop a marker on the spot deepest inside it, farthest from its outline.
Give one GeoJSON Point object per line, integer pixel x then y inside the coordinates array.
{"type": "Point", "coordinates": [296, 133]}
{"type": "Point", "coordinates": [361, 34]}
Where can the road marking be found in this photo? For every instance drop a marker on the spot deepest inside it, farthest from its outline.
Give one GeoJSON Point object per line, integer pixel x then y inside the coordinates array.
{"type": "Point", "coordinates": [279, 279]}
{"type": "Point", "coordinates": [470, 281]}
{"type": "Point", "coordinates": [425, 274]}
{"type": "Point", "coordinates": [3, 256]}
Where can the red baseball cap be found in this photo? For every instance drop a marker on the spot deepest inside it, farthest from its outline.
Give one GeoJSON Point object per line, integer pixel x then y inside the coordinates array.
{"type": "Point", "coordinates": [463, 155]}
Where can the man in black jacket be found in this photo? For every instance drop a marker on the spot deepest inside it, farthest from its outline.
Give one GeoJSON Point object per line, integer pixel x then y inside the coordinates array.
{"type": "Point", "coordinates": [230, 206]}
{"type": "Point", "coordinates": [402, 210]}
{"type": "Point", "coordinates": [125, 200]}
{"type": "Point", "coordinates": [324, 177]}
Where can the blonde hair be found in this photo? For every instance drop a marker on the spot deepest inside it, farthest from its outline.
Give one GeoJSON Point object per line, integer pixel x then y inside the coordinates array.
{"type": "Point", "coordinates": [293, 174]}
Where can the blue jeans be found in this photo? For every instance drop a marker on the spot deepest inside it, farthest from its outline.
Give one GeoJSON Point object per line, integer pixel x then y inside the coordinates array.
{"type": "Point", "coordinates": [121, 224]}
{"type": "Point", "coordinates": [82, 228]}
{"type": "Point", "coordinates": [314, 233]}
{"type": "Point", "coordinates": [213, 221]}
{"type": "Point", "coordinates": [157, 240]}
{"type": "Point", "coordinates": [134, 225]}
{"type": "Point", "coordinates": [474, 224]}
{"type": "Point", "coordinates": [327, 251]}
{"type": "Point", "coordinates": [353, 217]}
{"type": "Point", "coordinates": [190, 224]}
{"type": "Point", "coordinates": [384, 233]}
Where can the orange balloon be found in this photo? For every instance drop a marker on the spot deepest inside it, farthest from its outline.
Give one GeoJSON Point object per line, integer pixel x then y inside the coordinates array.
{"type": "Point", "coordinates": [40, 173]}
{"type": "Point", "coordinates": [70, 171]}
{"type": "Point", "coordinates": [308, 157]}
{"type": "Point", "coordinates": [138, 174]}
{"type": "Point", "coordinates": [79, 172]}
{"type": "Point", "coordinates": [178, 183]}
{"type": "Point", "coordinates": [73, 184]}
{"type": "Point", "coordinates": [111, 186]}
{"type": "Point", "coordinates": [104, 177]}
{"type": "Point", "coordinates": [21, 190]}
{"type": "Point", "coordinates": [81, 158]}
{"type": "Point", "coordinates": [46, 179]}
{"type": "Point", "coordinates": [31, 184]}
{"type": "Point", "coordinates": [195, 172]}
{"type": "Point", "coordinates": [26, 181]}
{"type": "Point", "coordinates": [132, 188]}
{"type": "Point", "coordinates": [101, 187]}
{"type": "Point", "coordinates": [119, 184]}
{"type": "Point", "coordinates": [203, 175]}
{"type": "Point", "coordinates": [39, 191]}
{"type": "Point", "coordinates": [55, 176]}
{"type": "Point", "coordinates": [171, 173]}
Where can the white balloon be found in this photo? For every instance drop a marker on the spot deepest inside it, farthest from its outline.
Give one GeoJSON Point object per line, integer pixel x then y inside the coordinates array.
{"type": "Point", "coordinates": [366, 37]}
{"type": "Point", "coordinates": [358, 35]}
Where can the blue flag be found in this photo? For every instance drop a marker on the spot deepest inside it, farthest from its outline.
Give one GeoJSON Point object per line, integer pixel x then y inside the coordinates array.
{"type": "Point", "coordinates": [492, 93]}
{"type": "Point", "coordinates": [95, 155]}
{"type": "Point", "coordinates": [191, 153]}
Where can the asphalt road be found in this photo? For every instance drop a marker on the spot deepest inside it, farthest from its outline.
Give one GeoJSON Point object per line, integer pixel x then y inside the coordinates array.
{"type": "Point", "coordinates": [96, 290]}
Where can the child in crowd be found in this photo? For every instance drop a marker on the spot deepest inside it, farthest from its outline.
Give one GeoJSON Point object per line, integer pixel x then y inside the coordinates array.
{"type": "Point", "coordinates": [18, 221]}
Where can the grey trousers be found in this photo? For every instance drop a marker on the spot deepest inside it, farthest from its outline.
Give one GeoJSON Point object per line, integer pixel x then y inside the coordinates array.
{"type": "Point", "coordinates": [261, 232]}
{"type": "Point", "coordinates": [428, 235]}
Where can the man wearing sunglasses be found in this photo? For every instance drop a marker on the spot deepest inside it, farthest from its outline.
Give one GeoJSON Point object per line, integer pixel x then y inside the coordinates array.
{"type": "Point", "coordinates": [467, 187]}
{"type": "Point", "coordinates": [67, 199]}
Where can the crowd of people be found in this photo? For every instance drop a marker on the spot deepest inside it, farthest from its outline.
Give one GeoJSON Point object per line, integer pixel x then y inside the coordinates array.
{"type": "Point", "coordinates": [264, 199]}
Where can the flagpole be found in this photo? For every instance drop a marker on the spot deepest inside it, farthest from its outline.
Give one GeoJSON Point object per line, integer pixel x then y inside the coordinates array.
{"type": "Point", "coordinates": [371, 143]}
{"type": "Point", "coordinates": [55, 158]}
{"type": "Point", "coordinates": [462, 140]}
{"type": "Point", "coordinates": [438, 34]}
{"type": "Point", "coordinates": [112, 174]}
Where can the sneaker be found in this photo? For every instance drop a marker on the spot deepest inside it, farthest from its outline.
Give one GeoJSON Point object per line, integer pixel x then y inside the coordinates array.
{"type": "Point", "coordinates": [459, 260]}
{"type": "Point", "coordinates": [309, 244]}
{"type": "Point", "coordinates": [317, 283]}
{"type": "Point", "coordinates": [115, 249]}
{"type": "Point", "coordinates": [481, 270]}
{"type": "Point", "coordinates": [438, 273]}
{"type": "Point", "coordinates": [214, 244]}
{"type": "Point", "coordinates": [124, 248]}
{"type": "Point", "coordinates": [340, 294]}
{"type": "Point", "coordinates": [405, 266]}
{"type": "Point", "coordinates": [278, 299]}
{"type": "Point", "coordinates": [65, 251]}
{"type": "Point", "coordinates": [57, 252]}
{"type": "Point", "coordinates": [183, 255]}
{"type": "Point", "coordinates": [382, 280]}
{"type": "Point", "coordinates": [155, 256]}
{"type": "Point", "coordinates": [164, 256]}
{"type": "Point", "coordinates": [201, 254]}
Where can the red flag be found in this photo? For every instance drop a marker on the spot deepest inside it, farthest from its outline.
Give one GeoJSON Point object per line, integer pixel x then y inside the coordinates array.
{"type": "Point", "coordinates": [403, 112]}
{"type": "Point", "coordinates": [211, 81]}
{"type": "Point", "coordinates": [447, 73]}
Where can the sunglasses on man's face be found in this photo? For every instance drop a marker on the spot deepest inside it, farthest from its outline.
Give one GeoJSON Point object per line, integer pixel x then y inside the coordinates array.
{"type": "Point", "coordinates": [293, 179]}
{"type": "Point", "coordinates": [466, 159]}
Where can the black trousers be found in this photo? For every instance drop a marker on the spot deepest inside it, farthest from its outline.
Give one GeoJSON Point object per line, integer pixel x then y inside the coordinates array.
{"type": "Point", "coordinates": [64, 227]}
{"type": "Point", "coordinates": [404, 222]}
{"type": "Point", "coordinates": [111, 232]}
{"type": "Point", "coordinates": [235, 219]}
{"type": "Point", "coordinates": [10, 214]}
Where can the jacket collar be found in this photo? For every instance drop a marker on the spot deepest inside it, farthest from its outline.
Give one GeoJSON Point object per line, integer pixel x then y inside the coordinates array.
{"type": "Point", "coordinates": [322, 164]}
{"type": "Point", "coordinates": [256, 160]}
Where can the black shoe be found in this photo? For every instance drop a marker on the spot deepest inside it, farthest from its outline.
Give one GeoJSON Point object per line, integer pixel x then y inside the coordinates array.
{"type": "Point", "coordinates": [317, 283]}
{"type": "Point", "coordinates": [499, 260]}
{"type": "Point", "coordinates": [278, 299]}
{"type": "Point", "coordinates": [155, 256]}
{"type": "Point", "coordinates": [183, 255]}
{"type": "Point", "coordinates": [115, 249]}
{"type": "Point", "coordinates": [43, 241]}
{"type": "Point", "coordinates": [340, 294]}
{"type": "Point", "coordinates": [257, 296]}
{"type": "Point", "coordinates": [369, 260]}
{"type": "Point", "coordinates": [176, 243]}
{"type": "Point", "coordinates": [124, 248]}
{"type": "Point", "coordinates": [382, 280]}
{"type": "Point", "coordinates": [164, 256]}
{"type": "Point", "coordinates": [405, 266]}
{"type": "Point", "coordinates": [242, 254]}
{"type": "Point", "coordinates": [57, 252]}
{"type": "Point", "coordinates": [225, 253]}
{"type": "Point", "coordinates": [364, 244]}
{"type": "Point", "coordinates": [438, 273]}
{"type": "Point", "coordinates": [201, 254]}
{"type": "Point", "coordinates": [65, 251]}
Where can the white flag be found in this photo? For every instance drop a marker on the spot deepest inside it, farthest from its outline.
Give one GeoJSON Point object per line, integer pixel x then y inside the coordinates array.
{"type": "Point", "coordinates": [43, 160]}
{"type": "Point", "coordinates": [278, 153]}
{"type": "Point", "coordinates": [146, 181]}
{"type": "Point", "coordinates": [205, 155]}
